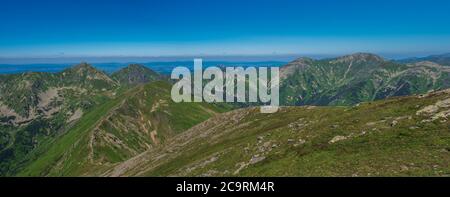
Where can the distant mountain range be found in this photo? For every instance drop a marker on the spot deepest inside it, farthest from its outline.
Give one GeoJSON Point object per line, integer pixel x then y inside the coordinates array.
{"type": "Point", "coordinates": [82, 121]}
{"type": "Point", "coordinates": [109, 68]}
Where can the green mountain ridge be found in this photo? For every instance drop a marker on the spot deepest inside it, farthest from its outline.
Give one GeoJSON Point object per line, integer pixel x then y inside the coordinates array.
{"type": "Point", "coordinates": [356, 78]}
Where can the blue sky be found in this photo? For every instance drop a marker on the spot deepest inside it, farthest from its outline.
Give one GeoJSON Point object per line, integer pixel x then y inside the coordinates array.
{"type": "Point", "coordinates": [63, 28]}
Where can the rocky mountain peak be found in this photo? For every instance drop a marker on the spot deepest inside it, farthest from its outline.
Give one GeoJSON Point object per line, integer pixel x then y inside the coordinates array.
{"type": "Point", "coordinates": [359, 57]}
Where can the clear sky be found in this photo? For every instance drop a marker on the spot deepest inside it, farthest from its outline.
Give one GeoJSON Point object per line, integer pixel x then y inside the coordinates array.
{"type": "Point", "coordinates": [63, 28]}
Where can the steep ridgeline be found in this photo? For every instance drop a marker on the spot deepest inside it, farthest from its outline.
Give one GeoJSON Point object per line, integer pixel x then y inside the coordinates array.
{"type": "Point", "coordinates": [355, 78]}
{"type": "Point", "coordinates": [136, 74]}
{"type": "Point", "coordinates": [140, 120]}
{"type": "Point", "coordinates": [83, 122]}
{"type": "Point", "coordinates": [402, 136]}
{"type": "Point", "coordinates": [37, 107]}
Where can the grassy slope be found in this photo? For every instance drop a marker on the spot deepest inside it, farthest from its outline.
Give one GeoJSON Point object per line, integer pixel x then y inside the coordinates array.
{"type": "Point", "coordinates": [339, 82]}
{"type": "Point", "coordinates": [384, 138]}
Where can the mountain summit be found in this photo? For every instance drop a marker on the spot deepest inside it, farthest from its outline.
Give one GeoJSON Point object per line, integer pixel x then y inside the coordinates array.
{"type": "Point", "coordinates": [443, 59]}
